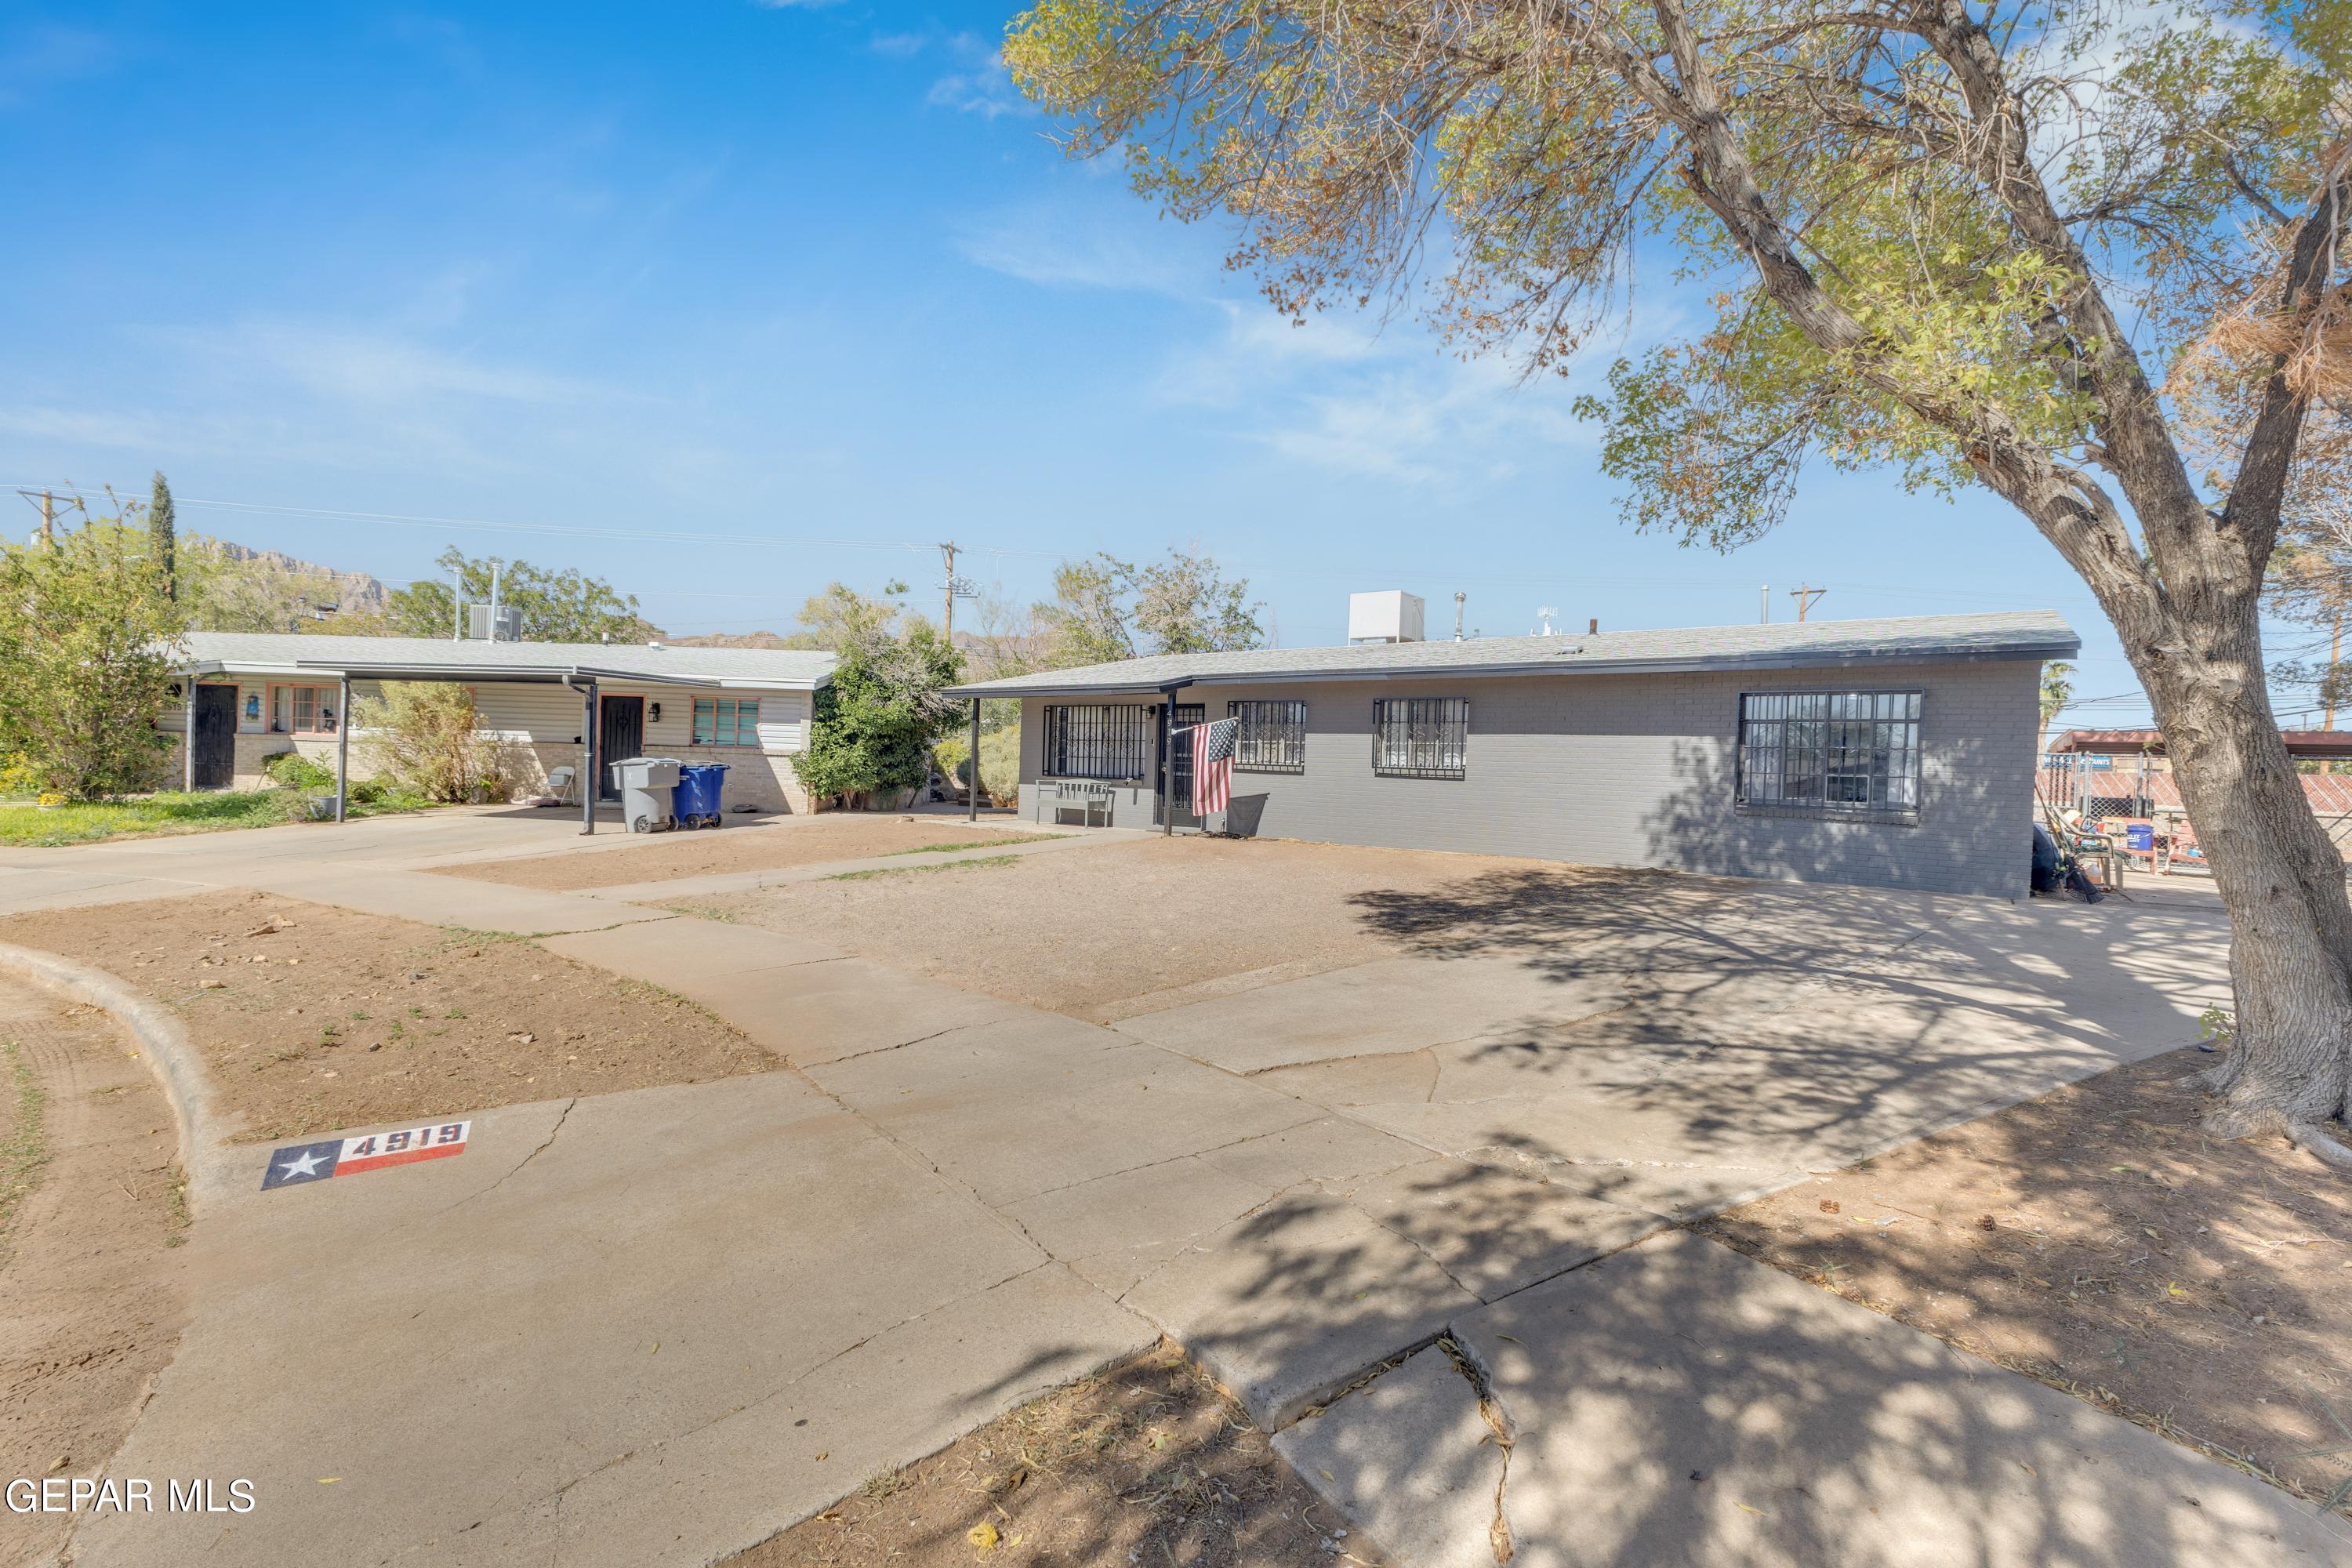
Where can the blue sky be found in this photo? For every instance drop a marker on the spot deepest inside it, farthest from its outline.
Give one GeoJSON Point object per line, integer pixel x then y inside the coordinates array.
{"type": "Point", "coordinates": [801, 272]}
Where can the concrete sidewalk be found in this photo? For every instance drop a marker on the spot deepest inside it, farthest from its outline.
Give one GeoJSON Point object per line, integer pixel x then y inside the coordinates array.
{"type": "Point", "coordinates": [1681, 1403]}
{"type": "Point", "coordinates": [943, 1202]}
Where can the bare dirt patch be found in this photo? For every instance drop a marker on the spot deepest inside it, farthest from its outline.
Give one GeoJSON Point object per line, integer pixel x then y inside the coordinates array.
{"type": "Point", "coordinates": [772, 847]}
{"type": "Point", "coordinates": [2097, 1240]}
{"type": "Point", "coordinates": [1147, 1462]}
{"type": "Point", "coordinates": [311, 1018]}
{"type": "Point", "coordinates": [1117, 928]}
{"type": "Point", "coordinates": [93, 1292]}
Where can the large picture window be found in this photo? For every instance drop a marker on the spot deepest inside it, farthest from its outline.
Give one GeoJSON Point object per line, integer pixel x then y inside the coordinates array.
{"type": "Point", "coordinates": [1421, 737]}
{"type": "Point", "coordinates": [725, 721]}
{"type": "Point", "coordinates": [303, 710]}
{"type": "Point", "coordinates": [1273, 738]}
{"type": "Point", "coordinates": [1830, 754]}
{"type": "Point", "coordinates": [1099, 740]}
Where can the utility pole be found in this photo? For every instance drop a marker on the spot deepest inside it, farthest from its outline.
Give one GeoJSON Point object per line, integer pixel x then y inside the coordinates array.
{"type": "Point", "coordinates": [951, 589]}
{"type": "Point", "coordinates": [48, 520]}
{"type": "Point", "coordinates": [2334, 658]}
{"type": "Point", "coordinates": [1805, 596]}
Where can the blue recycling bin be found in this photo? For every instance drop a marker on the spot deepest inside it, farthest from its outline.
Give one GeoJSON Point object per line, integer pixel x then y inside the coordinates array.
{"type": "Point", "coordinates": [699, 796]}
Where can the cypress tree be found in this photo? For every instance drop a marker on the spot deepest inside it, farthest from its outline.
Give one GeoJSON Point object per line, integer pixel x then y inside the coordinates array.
{"type": "Point", "coordinates": [162, 532]}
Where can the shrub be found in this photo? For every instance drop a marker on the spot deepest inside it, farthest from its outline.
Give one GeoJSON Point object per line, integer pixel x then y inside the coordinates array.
{"type": "Point", "coordinates": [295, 771]}
{"type": "Point", "coordinates": [999, 763]}
{"type": "Point", "coordinates": [426, 734]}
{"type": "Point", "coordinates": [85, 640]}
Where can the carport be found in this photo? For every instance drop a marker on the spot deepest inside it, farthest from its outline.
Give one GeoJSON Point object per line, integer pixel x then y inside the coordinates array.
{"type": "Point", "coordinates": [571, 676]}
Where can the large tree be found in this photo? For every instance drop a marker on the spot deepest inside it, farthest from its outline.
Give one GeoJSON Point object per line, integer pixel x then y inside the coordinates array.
{"type": "Point", "coordinates": [1104, 609]}
{"type": "Point", "coordinates": [558, 605]}
{"type": "Point", "coordinates": [1971, 241]}
{"type": "Point", "coordinates": [163, 536]}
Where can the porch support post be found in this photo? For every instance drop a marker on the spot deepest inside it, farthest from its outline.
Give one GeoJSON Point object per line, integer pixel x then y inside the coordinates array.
{"type": "Point", "coordinates": [590, 786]}
{"type": "Point", "coordinates": [188, 736]}
{"type": "Point", "coordinates": [344, 751]}
{"type": "Point", "coordinates": [971, 791]}
{"type": "Point", "coordinates": [1167, 763]}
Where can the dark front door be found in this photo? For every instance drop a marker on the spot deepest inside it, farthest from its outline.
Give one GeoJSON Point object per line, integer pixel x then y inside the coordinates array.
{"type": "Point", "coordinates": [216, 740]}
{"type": "Point", "coordinates": [620, 735]}
{"type": "Point", "coordinates": [1179, 798]}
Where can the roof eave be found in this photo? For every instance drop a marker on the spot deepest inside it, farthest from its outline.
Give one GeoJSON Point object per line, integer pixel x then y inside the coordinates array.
{"type": "Point", "coordinates": [1557, 664]}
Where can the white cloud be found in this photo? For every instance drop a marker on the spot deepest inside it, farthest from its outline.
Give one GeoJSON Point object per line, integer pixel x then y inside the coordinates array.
{"type": "Point", "coordinates": [1057, 252]}
{"type": "Point", "coordinates": [981, 85]}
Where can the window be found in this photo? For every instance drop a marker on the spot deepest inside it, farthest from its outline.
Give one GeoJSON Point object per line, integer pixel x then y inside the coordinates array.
{"type": "Point", "coordinates": [303, 710]}
{"type": "Point", "coordinates": [1103, 741]}
{"type": "Point", "coordinates": [1421, 737]}
{"type": "Point", "coordinates": [1830, 754]}
{"type": "Point", "coordinates": [725, 721]}
{"type": "Point", "coordinates": [1273, 738]}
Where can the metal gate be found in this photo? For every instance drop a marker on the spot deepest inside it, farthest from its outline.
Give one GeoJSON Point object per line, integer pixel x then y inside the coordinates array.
{"type": "Point", "coordinates": [2098, 786]}
{"type": "Point", "coordinates": [1179, 798]}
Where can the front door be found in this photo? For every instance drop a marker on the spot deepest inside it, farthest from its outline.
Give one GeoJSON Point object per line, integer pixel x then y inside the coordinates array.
{"type": "Point", "coordinates": [620, 735]}
{"type": "Point", "coordinates": [1179, 798]}
{"type": "Point", "coordinates": [216, 739]}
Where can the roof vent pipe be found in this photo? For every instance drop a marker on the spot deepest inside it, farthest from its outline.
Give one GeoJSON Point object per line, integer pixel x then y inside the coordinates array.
{"type": "Point", "coordinates": [1458, 597]}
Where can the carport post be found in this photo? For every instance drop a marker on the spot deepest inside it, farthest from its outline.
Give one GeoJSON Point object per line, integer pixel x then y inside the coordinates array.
{"type": "Point", "coordinates": [588, 782]}
{"type": "Point", "coordinates": [971, 789]}
{"type": "Point", "coordinates": [188, 738]}
{"type": "Point", "coordinates": [343, 751]}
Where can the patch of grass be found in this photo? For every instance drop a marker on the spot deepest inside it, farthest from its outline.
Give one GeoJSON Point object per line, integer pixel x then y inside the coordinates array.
{"type": "Point", "coordinates": [907, 870]}
{"type": "Point", "coordinates": [467, 936]}
{"type": "Point", "coordinates": [701, 912]}
{"type": "Point", "coordinates": [173, 811]}
{"type": "Point", "coordinates": [23, 1151]}
{"type": "Point", "coordinates": [1001, 839]}
{"type": "Point", "coordinates": [175, 1197]}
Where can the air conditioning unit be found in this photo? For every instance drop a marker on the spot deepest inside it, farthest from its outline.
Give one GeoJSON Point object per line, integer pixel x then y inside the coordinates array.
{"type": "Point", "coordinates": [1390, 617]}
{"type": "Point", "coordinates": [508, 627]}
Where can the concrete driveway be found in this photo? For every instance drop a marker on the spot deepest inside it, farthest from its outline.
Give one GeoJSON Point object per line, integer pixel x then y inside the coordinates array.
{"type": "Point", "coordinates": [597, 1337]}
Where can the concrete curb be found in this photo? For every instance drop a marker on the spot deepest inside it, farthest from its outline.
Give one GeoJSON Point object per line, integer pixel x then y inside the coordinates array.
{"type": "Point", "coordinates": [166, 1048]}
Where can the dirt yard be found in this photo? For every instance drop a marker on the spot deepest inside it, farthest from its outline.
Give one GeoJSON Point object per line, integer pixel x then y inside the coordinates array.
{"type": "Point", "coordinates": [312, 1019]}
{"type": "Point", "coordinates": [1109, 931]}
{"type": "Point", "coordinates": [769, 846]}
{"type": "Point", "coordinates": [1147, 1463]}
{"type": "Point", "coordinates": [93, 1292]}
{"type": "Point", "coordinates": [2097, 1240]}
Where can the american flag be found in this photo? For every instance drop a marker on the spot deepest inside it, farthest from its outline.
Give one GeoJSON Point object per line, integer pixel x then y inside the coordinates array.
{"type": "Point", "coordinates": [1213, 765]}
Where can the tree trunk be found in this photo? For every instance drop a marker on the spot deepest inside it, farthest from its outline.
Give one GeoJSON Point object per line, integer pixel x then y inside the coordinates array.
{"type": "Point", "coordinates": [2281, 879]}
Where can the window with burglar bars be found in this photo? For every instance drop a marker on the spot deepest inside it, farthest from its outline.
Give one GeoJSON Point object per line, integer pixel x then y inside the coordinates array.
{"type": "Point", "coordinates": [1273, 738]}
{"type": "Point", "coordinates": [1421, 737]}
{"type": "Point", "coordinates": [1830, 754]}
{"type": "Point", "coordinates": [1099, 740]}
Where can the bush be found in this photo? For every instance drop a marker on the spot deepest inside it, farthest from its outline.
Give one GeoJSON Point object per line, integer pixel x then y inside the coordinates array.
{"type": "Point", "coordinates": [426, 734]}
{"type": "Point", "coordinates": [999, 763]}
{"type": "Point", "coordinates": [295, 771]}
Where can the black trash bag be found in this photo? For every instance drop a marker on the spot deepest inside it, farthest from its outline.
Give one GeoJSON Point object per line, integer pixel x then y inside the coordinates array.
{"type": "Point", "coordinates": [2046, 877]}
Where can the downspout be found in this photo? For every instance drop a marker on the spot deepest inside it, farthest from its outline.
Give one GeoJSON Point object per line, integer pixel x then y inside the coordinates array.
{"type": "Point", "coordinates": [587, 750]}
{"type": "Point", "coordinates": [188, 736]}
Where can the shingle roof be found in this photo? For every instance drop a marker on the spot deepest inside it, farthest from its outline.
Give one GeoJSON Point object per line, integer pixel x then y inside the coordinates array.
{"type": "Point", "coordinates": [786, 668]}
{"type": "Point", "coordinates": [2019, 633]}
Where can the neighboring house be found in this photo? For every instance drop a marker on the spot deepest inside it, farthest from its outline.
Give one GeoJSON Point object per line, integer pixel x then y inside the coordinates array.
{"type": "Point", "coordinates": [2304, 745]}
{"type": "Point", "coordinates": [251, 695]}
{"type": "Point", "coordinates": [1894, 752]}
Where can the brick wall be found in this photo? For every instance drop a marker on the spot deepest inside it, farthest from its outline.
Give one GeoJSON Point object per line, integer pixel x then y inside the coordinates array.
{"type": "Point", "coordinates": [1638, 770]}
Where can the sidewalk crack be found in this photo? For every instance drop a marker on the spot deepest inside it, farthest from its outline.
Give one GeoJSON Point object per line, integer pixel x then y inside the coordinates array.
{"type": "Point", "coordinates": [561, 1117]}
{"type": "Point", "coordinates": [1490, 1410]}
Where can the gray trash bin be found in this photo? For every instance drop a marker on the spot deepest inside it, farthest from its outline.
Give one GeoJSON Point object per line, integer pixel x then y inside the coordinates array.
{"type": "Point", "coordinates": [645, 784]}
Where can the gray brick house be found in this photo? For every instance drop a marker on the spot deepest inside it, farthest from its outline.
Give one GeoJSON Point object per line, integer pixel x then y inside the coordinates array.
{"type": "Point", "coordinates": [1895, 753]}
